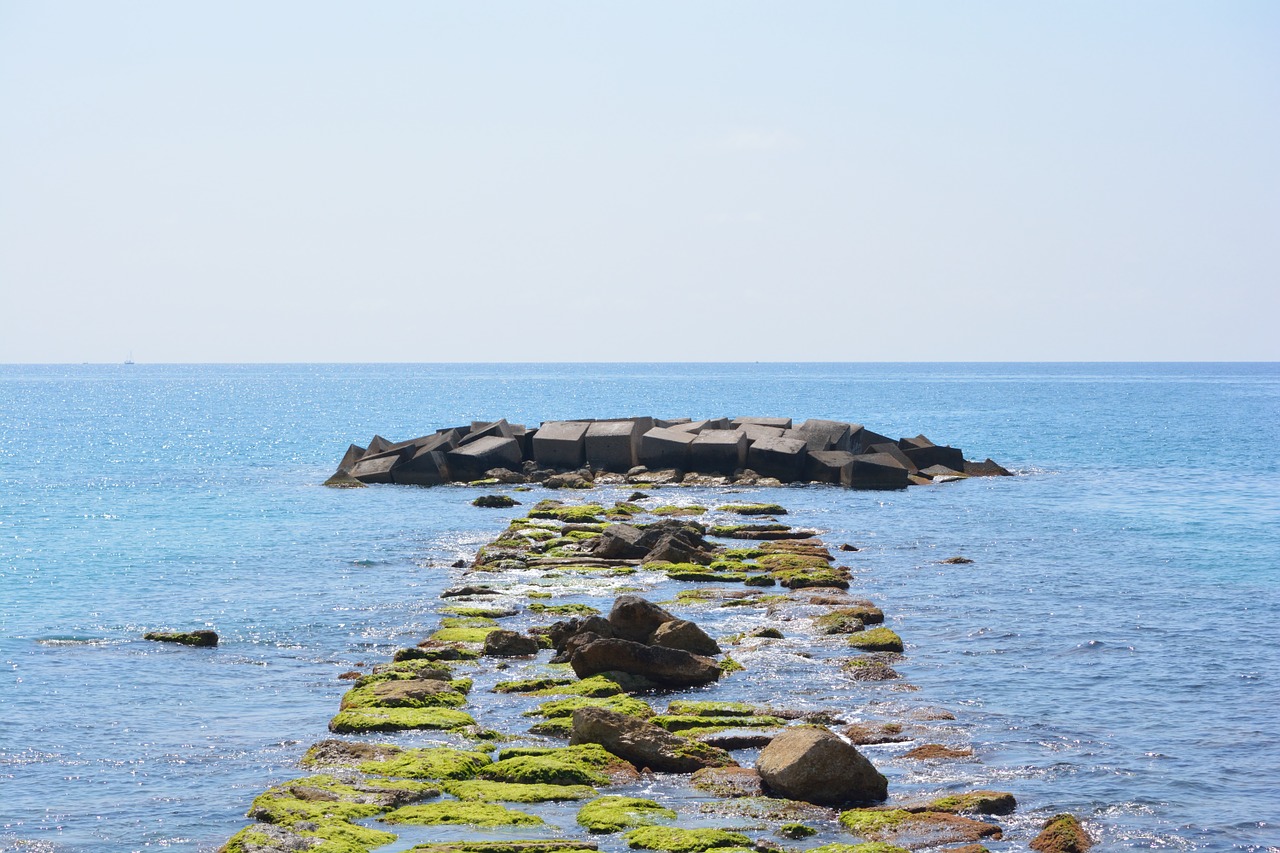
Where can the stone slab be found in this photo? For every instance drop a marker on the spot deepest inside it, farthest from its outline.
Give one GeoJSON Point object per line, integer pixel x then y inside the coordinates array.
{"type": "Point", "coordinates": [718, 451]}
{"type": "Point", "coordinates": [613, 445]}
{"type": "Point", "coordinates": [782, 458]}
{"type": "Point", "coordinates": [500, 428]}
{"type": "Point", "coordinates": [662, 447]}
{"type": "Point", "coordinates": [561, 444]}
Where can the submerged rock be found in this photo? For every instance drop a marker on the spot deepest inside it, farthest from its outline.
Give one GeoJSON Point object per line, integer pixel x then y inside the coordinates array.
{"type": "Point", "coordinates": [202, 639]}
{"type": "Point", "coordinates": [1062, 833]}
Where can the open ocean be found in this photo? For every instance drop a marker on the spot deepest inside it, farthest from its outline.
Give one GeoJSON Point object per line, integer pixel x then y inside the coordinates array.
{"type": "Point", "coordinates": [1113, 651]}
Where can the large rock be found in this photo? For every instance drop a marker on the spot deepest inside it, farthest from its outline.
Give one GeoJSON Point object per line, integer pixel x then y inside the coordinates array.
{"type": "Point", "coordinates": [986, 468]}
{"type": "Point", "coordinates": [635, 618]}
{"type": "Point", "coordinates": [668, 667]}
{"type": "Point", "coordinates": [561, 444]}
{"type": "Point", "coordinates": [876, 471]}
{"type": "Point", "coordinates": [686, 636]}
{"type": "Point", "coordinates": [828, 466]}
{"type": "Point", "coordinates": [1062, 833]}
{"type": "Point", "coordinates": [613, 445]}
{"type": "Point", "coordinates": [814, 765]}
{"type": "Point", "coordinates": [718, 451]}
{"type": "Point", "coordinates": [782, 458]}
{"type": "Point", "coordinates": [619, 542]}
{"type": "Point", "coordinates": [643, 743]}
{"type": "Point", "coordinates": [664, 447]}
{"type": "Point", "coordinates": [504, 643]}
{"type": "Point", "coordinates": [470, 461]}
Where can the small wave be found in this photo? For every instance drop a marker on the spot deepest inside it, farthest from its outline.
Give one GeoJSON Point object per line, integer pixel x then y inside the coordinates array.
{"type": "Point", "coordinates": [365, 564]}
{"type": "Point", "coordinates": [75, 641]}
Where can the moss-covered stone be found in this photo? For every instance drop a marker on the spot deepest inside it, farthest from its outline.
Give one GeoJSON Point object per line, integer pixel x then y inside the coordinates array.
{"type": "Point", "coordinates": [753, 509]}
{"type": "Point", "coordinates": [597, 686]}
{"type": "Point", "coordinates": [465, 611]}
{"type": "Point", "coordinates": [781, 561]}
{"type": "Point", "coordinates": [495, 501]}
{"type": "Point", "coordinates": [620, 703]}
{"type": "Point", "coordinates": [975, 802]}
{"type": "Point", "coordinates": [484, 791]}
{"type": "Point", "coordinates": [691, 708]}
{"type": "Point", "coordinates": [404, 693]}
{"type": "Point", "coordinates": [743, 553]}
{"type": "Point", "coordinates": [429, 763]}
{"type": "Point", "coordinates": [1062, 833]}
{"type": "Point", "coordinates": [676, 510]}
{"type": "Point", "coordinates": [877, 640]}
{"type": "Point", "coordinates": [319, 836]}
{"type": "Point", "coordinates": [582, 764]}
{"type": "Point", "coordinates": [205, 639]}
{"type": "Point", "coordinates": [674, 840]}
{"type": "Point", "coordinates": [558, 845]}
{"type": "Point", "coordinates": [361, 720]}
{"type": "Point", "coordinates": [529, 685]}
{"type": "Point", "coordinates": [567, 609]}
{"type": "Point", "coordinates": [918, 829]}
{"type": "Point", "coordinates": [462, 635]}
{"type": "Point", "coordinates": [728, 665]}
{"type": "Point", "coordinates": [576, 514]}
{"type": "Point", "coordinates": [325, 797]}
{"type": "Point", "coordinates": [614, 814]}
{"type": "Point", "coordinates": [796, 830]}
{"type": "Point", "coordinates": [811, 577]}
{"type": "Point", "coordinates": [456, 812]}
{"type": "Point", "coordinates": [435, 652]}
{"type": "Point", "coordinates": [680, 723]}
{"type": "Point", "coordinates": [866, 847]}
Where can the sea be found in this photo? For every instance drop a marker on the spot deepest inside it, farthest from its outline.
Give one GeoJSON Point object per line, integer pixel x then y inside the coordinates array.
{"type": "Point", "coordinates": [1112, 651]}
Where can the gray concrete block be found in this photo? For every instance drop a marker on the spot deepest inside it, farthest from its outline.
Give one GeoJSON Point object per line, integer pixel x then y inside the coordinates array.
{"type": "Point", "coordinates": [500, 428]}
{"type": "Point", "coordinates": [613, 445]}
{"type": "Point", "coordinates": [377, 467]}
{"type": "Point", "coordinates": [782, 458]}
{"type": "Point", "coordinates": [863, 438]}
{"type": "Point", "coordinates": [665, 448]}
{"type": "Point", "coordinates": [837, 433]}
{"type": "Point", "coordinates": [693, 427]}
{"type": "Point", "coordinates": [470, 461]}
{"type": "Point", "coordinates": [561, 444]}
{"type": "Point", "coordinates": [353, 455]}
{"type": "Point", "coordinates": [828, 466]}
{"type": "Point", "coordinates": [777, 423]}
{"type": "Point", "coordinates": [813, 441]}
{"type": "Point", "coordinates": [718, 451]}
{"type": "Point", "coordinates": [876, 471]}
{"type": "Point", "coordinates": [425, 467]}
{"type": "Point", "coordinates": [932, 454]}
{"type": "Point", "coordinates": [755, 432]}
{"type": "Point", "coordinates": [892, 449]}
{"type": "Point", "coordinates": [667, 423]}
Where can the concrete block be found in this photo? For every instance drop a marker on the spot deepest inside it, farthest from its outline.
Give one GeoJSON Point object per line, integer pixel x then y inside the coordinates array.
{"type": "Point", "coordinates": [777, 423]}
{"type": "Point", "coordinates": [693, 427]}
{"type": "Point", "coordinates": [838, 433]}
{"type": "Point", "coordinates": [644, 422]}
{"type": "Point", "coordinates": [782, 458]}
{"type": "Point", "coordinates": [613, 445]}
{"type": "Point", "coordinates": [755, 432]}
{"type": "Point", "coordinates": [892, 449]}
{"type": "Point", "coordinates": [377, 468]}
{"type": "Point", "coordinates": [828, 466]}
{"type": "Point", "coordinates": [665, 448]}
{"type": "Point", "coordinates": [425, 467]}
{"type": "Point", "coordinates": [862, 439]}
{"type": "Point", "coordinates": [500, 428]}
{"type": "Point", "coordinates": [353, 455]}
{"type": "Point", "coordinates": [813, 441]}
{"type": "Point", "coordinates": [876, 471]}
{"type": "Point", "coordinates": [470, 461]}
{"type": "Point", "coordinates": [561, 444]}
{"type": "Point", "coordinates": [377, 445]}
{"type": "Point", "coordinates": [718, 451]}
{"type": "Point", "coordinates": [667, 423]}
{"type": "Point", "coordinates": [928, 456]}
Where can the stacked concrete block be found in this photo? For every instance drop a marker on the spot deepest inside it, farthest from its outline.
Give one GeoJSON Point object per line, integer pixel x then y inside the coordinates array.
{"type": "Point", "coordinates": [662, 447]}
{"type": "Point", "coordinates": [561, 444]}
{"type": "Point", "coordinates": [613, 445]}
{"type": "Point", "coordinates": [755, 432]}
{"type": "Point", "coordinates": [376, 467]}
{"type": "Point", "coordinates": [892, 449]}
{"type": "Point", "coordinates": [828, 466]}
{"type": "Point", "coordinates": [777, 423]}
{"type": "Point", "coordinates": [718, 451]}
{"type": "Point", "coordinates": [925, 454]}
{"type": "Point", "coordinates": [876, 471]}
{"type": "Point", "coordinates": [481, 429]}
{"type": "Point", "coordinates": [782, 458]}
{"type": "Point", "coordinates": [470, 461]}
{"type": "Point", "coordinates": [862, 439]}
{"type": "Point", "coordinates": [836, 433]}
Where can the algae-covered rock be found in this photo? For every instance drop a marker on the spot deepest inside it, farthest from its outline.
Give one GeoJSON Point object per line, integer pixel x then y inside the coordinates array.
{"type": "Point", "coordinates": [530, 685]}
{"type": "Point", "coordinates": [677, 723]}
{"type": "Point", "coordinates": [485, 791]}
{"type": "Point", "coordinates": [643, 743]}
{"type": "Point", "coordinates": [585, 764]}
{"type": "Point", "coordinates": [728, 781]}
{"type": "Point", "coordinates": [1062, 833]}
{"type": "Point", "coordinates": [346, 753]}
{"type": "Point", "coordinates": [865, 847]}
{"type": "Point", "coordinates": [927, 751]}
{"type": "Point", "coordinates": [361, 720]}
{"type": "Point", "coordinates": [428, 763]}
{"type": "Point", "coordinates": [877, 640]}
{"type": "Point", "coordinates": [812, 577]}
{"type": "Point", "coordinates": [796, 830]}
{"type": "Point", "coordinates": [916, 829]}
{"type": "Point", "coordinates": [975, 802]}
{"type": "Point", "coordinates": [455, 812]}
{"type": "Point", "coordinates": [864, 734]}
{"type": "Point", "coordinates": [557, 845]}
{"type": "Point", "coordinates": [668, 667]}
{"type": "Point", "coordinates": [674, 840]}
{"type": "Point", "coordinates": [869, 669]}
{"type": "Point", "coordinates": [504, 643]}
{"type": "Point", "coordinates": [597, 686]}
{"type": "Point", "coordinates": [692, 708]}
{"type": "Point", "coordinates": [753, 509]}
{"type": "Point", "coordinates": [404, 693]}
{"type": "Point", "coordinates": [326, 797]}
{"type": "Point", "coordinates": [201, 639]}
{"type": "Point", "coordinates": [614, 814]}
{"type": "Point", "coordinates": [319, 836]}
{"type": "Point", "coordinates": [620, 703]}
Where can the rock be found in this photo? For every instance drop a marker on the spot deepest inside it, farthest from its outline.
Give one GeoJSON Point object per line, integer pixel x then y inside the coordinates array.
{"type": "Point", "coordinates": [562, 632]}
{"type": "Point", "coordinates": [941, 472]}
{"type": "Point", "coordinates": [482, 429]}
{"type": "Point", "coordinates": [505, 476]}
{"type": "Point", "coordinates": [634, 618]}
{"type": "Point", "coordinates": [613, 445]}
{"type": "Point", "coordinates": [676, 541]}
{"type": "Point", "coordinates": [862, 439]}
{"type": "Point", "coordinates": [619, 542]}
{"type": "Point", "coordinates": [936, 750]}
{"type": "Point", "coordinates": [508, 644]}
{"type": "Point", "coordinates": [728, 781]}
{"type": "Point", "coordinates": [377, 468]}
{"type": "Point", "coordinates": [668, 667]}
{"type": "Point", "coordinates": [828, 466]}
{"type": "Point", "coordinates": [644, 744]}
{"type": "Point", "coordinates": [561, 444]}
{"type": "Point", "coordinates": [200, 639]}
{"type": "Point", "coordinates": [470, 461]}
{"type": "Point", "coordinates": [876, 471]}
{"type": "Point", "coordinates": [457, 591]}
{"type": "Point", "coordinates": [956, 561]}
{"type": "Point", "coordinates": [570, 480]}
{"type": "Point", "coordinates": [814, 765]}
{"type": "Point", "coordinates": [347, 753]}
{"type": "Point", "coordinates": [782, 458]}
{"type": "Point", "coordinates": [718, 451]}
{"type": "Point", "coordinates": [495, 501]}
{"type": "Point", "coordinates": [665, 448]}
{"type": "Point", "coordinates": [1062, 833]}
{"type": "Point", "coordinates": [986, 468]}
{"type": "Point", "coordinates": [686, 636]}
{"type": "Point", "coordinates": [917, 829]}
{"type": "Point", "coordinates": [866, 734]}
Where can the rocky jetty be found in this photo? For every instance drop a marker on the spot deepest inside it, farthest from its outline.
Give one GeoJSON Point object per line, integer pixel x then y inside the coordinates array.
{"type": "Point", "coordinates": [632, 727]}
{"type": "Point", "coordinates": [582, 453]}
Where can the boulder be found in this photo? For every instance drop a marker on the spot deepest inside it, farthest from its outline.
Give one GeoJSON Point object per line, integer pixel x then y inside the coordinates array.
{"type": "Point", "coordinates": [1062, 833]}
{"type": "Point", "coordinates": [562, 633]}
{"type": "Point", "coordinates": [718, 451]}
{"type": "Point", "coordinates": [613, 445]}
{"type": "Point", "coordinates": [686, 636]}
{"type": "Point", "coordinates": [813, 764]}
{"type": "Point", "coordinates": [663, 447]}
{"type": "Point", "coordinates": [643, 743]}
{"type": "Point", "coordinates": [561, 444]}
{"type": "Point", "coordinates": [509, 644]}
{"type": "Point", "coordinates": [202, 639]}
{"type": "Point", "coordinates": [782, 458]}
{"type": "Point", "coordinates": [635, 618]}
{"type": "Point", "coordinates": [876, 471]}
{"type": "Point", "coordinates": [619, 542]}
{"type": "Point", "coordinates": [828, 466]}
{"type": "Point", "coordinates": [668, 667]}
{"type": "Point", "coordinates": [470, 461]}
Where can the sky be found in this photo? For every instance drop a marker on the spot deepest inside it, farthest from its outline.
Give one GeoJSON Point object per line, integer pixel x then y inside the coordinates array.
{"type": "Point", "coordinates": [663, 181]}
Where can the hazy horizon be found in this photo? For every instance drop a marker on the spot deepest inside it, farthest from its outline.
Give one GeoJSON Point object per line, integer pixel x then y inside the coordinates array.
{"type": "Point", "coordinates": [568, 182]}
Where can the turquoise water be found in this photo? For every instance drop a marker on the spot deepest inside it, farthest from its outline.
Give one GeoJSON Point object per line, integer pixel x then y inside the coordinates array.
{"type": "Point", "coordinates": [1113, 650]}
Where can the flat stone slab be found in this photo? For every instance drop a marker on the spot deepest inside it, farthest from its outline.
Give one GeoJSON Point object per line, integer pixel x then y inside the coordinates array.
{"type": "Point", "coordinates": [561, 444]}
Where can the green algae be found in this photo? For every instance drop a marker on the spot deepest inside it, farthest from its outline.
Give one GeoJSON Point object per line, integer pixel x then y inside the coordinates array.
{"type": "Point", "coordinates": [876, 640]}
{"type": "Point", "coordinates": [1062, 833]}
{"type": "Point", "coordinates": [582, 764]}
{"type": "Point", "coordinates": [775, 561]}
{"type": "Point", "coordinates": [691, 708]}
{"type": "Point", "coordinates": [803, 578]}
{"type": "Point", "coordinates": [743, 553]}
{"type": "Point", "coordinates": [484, 791]}
{"type": "Point", "coordinates": [677, 510]}
{"type": "Point", "coordinates": [462, 635]}
{"type": "Point", "coordinates": [753, 509]}
{"type": "Point", "coordinates": [325, 797]}
{"type": "Point", "coordinates": [558, 845]}
{"type": "Point", "coordinates": [580, 609]}
{"type": "Point", "coordinates": [203, 639]}
{"type": "Point", "coordinates": [975, 802]}
{"type": "Point", "coordinates": [529, 685]}
{"type": "Point", "coordinates": [796, 830]}
{"type": "Point", "coordinates": [596, 686]}
{"type": "Point", "coordinates": [561, 727]}
{"type": "Point", "coordinates": [478, 612]}
{"type": "Point", "coordinates": [614, 814]}
{"type": "Point", "coordinates": [575, 514]}
{"type": "Point", "coordinates": [673, 840]}
{"type": "Point", "coordinates": [680, 723]}
{"type": "Point", "coordinates": [866, 847]}
{"type": "Point", "coordinates": [443, 652]}
{"type": "Point", "coordinates": [620, 703]}
{"type": "Point", "coordinates": [361, 720]}
{"type": "Point", "coordinates": [459, 813]}
{"type": "Point", "coordinates": [369, 696]}
{"type": "Point", "coordinates": [321, 836]}
{"type": "Point", "coordinates": [874, 821]}
{"type": "Point", "coordinates": [429, 763]}
{"type": "Point", "coordinates": [728, 665]}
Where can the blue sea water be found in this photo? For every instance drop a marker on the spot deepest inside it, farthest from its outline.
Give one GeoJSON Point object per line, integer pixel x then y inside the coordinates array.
{"type": "Point", "coordinates": [1113, 651]}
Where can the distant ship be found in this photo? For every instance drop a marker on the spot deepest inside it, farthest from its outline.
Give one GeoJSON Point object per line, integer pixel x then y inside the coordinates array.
{"type": "Point", "coordinates": [129, 360]}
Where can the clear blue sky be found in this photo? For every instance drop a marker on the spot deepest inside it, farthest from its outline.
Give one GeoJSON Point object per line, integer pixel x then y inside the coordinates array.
{"type": "Point", "coordinates": [601, 181]}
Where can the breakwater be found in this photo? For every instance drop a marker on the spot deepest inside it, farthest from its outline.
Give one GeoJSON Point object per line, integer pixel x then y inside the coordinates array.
{"type": "Point", "coordinates": [647, 450]}
{"type": "Point", "coordinates": [638, 737]}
